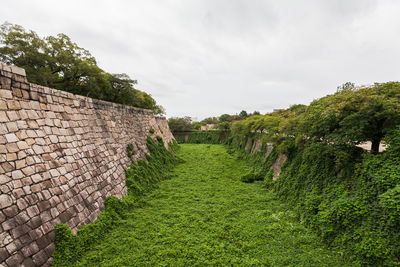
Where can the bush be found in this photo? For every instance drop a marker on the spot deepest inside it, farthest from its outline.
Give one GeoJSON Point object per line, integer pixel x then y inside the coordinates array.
{"type": "Point", "coordinates": [201, 137]}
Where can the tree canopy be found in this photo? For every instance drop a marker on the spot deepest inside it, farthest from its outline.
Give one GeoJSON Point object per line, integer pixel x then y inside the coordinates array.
{"type": "Point", "coordinates": [180, 124]}
{"type": "Point", "coordinates": [349, 117]}
{"type": "Point", "coordinates": [58, 62]}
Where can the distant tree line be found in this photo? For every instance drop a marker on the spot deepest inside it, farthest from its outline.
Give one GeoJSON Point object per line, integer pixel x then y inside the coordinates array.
{"type": "Point", "coordinates": [223, 122]}
{"type": "Point", "coordinates": [350, 116]}
{"type": "Point", "coordinates": [58, 62]}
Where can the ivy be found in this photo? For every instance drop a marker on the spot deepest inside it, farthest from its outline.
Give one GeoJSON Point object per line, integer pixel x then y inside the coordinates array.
{"type": "Point", "coordinates": [141, 178]}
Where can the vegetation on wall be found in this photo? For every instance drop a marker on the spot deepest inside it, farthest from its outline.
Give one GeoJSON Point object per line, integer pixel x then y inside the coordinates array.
{"type": "Point", "coordinates": [58, 62]}
{"type": "Point", "coordinates": [141, 177]}
{"type": "Point", "coordinates": [347, 118]}
{"type": "Point", "coordinates": [348, 196]}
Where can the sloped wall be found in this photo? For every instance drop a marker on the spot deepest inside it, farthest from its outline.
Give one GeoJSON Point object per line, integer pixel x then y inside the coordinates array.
{"type": "Point", "coordinates": [60, 156]}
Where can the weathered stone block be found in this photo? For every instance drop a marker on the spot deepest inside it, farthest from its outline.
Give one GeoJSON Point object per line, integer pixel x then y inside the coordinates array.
{"type": "Point", "coordinates": [3, 254]}
{"type": "Point", "coordinates": [40, 258]}
{"type": "Point", "coordinates": [5, 201]}
{"type": "Point", "coordinates": [15, 259]}
{"type": "Point", "coordinates": [4, 93]}
{"type": "Point", "coordinates": [11, 211]}
{"type": "Point", "coordinates": [22, 204]}
{"type": "Point", "coordinates": [17, 174]}
{"type": "Point", "coordinates": [12, 126]}
{"type": "Point", "coordinates": [11, 148]}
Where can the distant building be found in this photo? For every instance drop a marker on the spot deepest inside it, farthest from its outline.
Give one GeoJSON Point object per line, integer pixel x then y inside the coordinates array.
{"type": "Point", "coordinates": [208, 127]}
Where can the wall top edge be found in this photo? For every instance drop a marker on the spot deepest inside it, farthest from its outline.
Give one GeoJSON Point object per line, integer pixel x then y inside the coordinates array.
{"type": "Point", "coordinates": [55, 92]}
{"type": "Point", "coordinates": [12, 69]}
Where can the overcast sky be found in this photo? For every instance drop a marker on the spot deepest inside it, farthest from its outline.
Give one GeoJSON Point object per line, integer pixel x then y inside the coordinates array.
{"type": "Point", "coordinates": [203, 58]}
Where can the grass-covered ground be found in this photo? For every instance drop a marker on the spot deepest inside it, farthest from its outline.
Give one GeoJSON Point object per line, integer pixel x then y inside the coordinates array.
{"type": "Point", "coordinates": [204, 215]}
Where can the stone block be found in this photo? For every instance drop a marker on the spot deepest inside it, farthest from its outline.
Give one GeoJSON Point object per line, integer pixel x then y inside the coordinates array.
{"type": "Point", "coordinates": [28, 262]}
{"type": "Point", "coordinates": [20, 164]}
{"type": "Point", "coordinates": [3, 116]}
{"type": "Point", "coordinates": [20, 230]}
{"type": "Point", "coordinates": [4, 179]}
{"type": "Point", "coordinates": [13, 105]}
{"type": "Point", "coordinates": [36, 188]}
{"type": "Point", "coordinates": [32, 124]}
{"type": "Point", "coordinates": [17, 174]}
{"type": "Point", "coordinates": [35, 222]}
{"type": "Point", "coordinates": [31, 249]}
{"type": "Point", "coordinates": [32, 211]}
{"type": "Point", "coordinates": [35, 234]}
{"type": "Point", "coordinates": [32, 114]}
{"type": "Point", "coordinates": [5, 201]}
{"type": "Point", "coordinates": [11, 247]}
{"type": "Point", "coordinates": [23, 114]}
{"type": "Point", "coordinates": [12, 126]}
{"type": "Point", "coordinates": [17, 184]}
{"type": "Point", "coordinates": [15, 259]}
{"type": "Point", "coordinates": [9, 224]}
{"type": "Point", "coordinates": [40, 258]}
{"type": "Point", "coordinates": [22, 145]}
{"type": "Point", "coordinates": [3, 254]}
{"type": "Point", "coordinates": [26, 181]}
{"type": "Point", "coordinates": [11, 157]}
{"type": "Point", "coordinates": [4, 93]}
{"type": "Point", "coordinates": [37, 149]}
{"type": "Point", "coordinates": [11, 211]}
{"type": "Point", "coordinates": [18, 70]}
{"type": "Point", "coordinates": [22, 204]}
{"type": "Point", "coordinates": [22, 125]}
{"type": "Point", "coordinates": [12, 147]}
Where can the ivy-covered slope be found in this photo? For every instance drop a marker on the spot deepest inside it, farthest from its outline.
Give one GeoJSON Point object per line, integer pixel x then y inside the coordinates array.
{"type": "Point", "coordinates": [141, 177]}
{"type": "Point", "coordinates": [351, 198]}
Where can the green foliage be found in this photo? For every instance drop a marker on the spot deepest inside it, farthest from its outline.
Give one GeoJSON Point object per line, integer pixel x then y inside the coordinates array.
{"type": "Point", "coordinates": [58, 62]}
{"type": "Point", "coordinates": [243, 114]}
{"type": "Point", "coordinates": [151, 130]}
{"type": "Point", "coordinates": [353, 116]}
{"type": "Point", "coordinates": [180, 124]}
{"type": "Point", "coordinates": [205, 216]}
{"type": "Point", "coordinates": [349, 197]}
{"type": "Point", "coordinates": [70, 247]}
{"type": "Point", "coordinates": [252, 176]}
{"type": "Point", "coordinates": [140, 179]}
{"type": "Point", "coordinates": [130, 150]}
{"type": "Point", "coordinates": [201, 137]}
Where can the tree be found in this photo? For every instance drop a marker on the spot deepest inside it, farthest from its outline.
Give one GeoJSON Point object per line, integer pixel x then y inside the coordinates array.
{"type": "Point", "coordinates": [354, 116]}
{"type": "Point", "coordinates": [209, 120]}
{"type": "Point", "coordinates": [180, 124]}
{"type": "Point", "coordinates": [243, 114]}
{"type": "Point", "coordinates": [58, 62]}
{"type": "Point", "coordinates": [224, 118]}
{"type": "Point", "coordinates": [346, 86]}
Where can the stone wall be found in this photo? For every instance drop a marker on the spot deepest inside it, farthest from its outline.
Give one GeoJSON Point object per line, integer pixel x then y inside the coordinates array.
{"type": "Point", "coordinates": [60, 156]}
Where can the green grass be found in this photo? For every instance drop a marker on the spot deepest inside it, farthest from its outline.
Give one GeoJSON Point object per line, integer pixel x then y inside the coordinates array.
{"type": "Point", "coordinates": [204, 215]}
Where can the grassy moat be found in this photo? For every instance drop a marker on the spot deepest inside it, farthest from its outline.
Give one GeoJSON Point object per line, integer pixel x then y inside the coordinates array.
{"type": "Point", "coordinates": [204, 215]}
